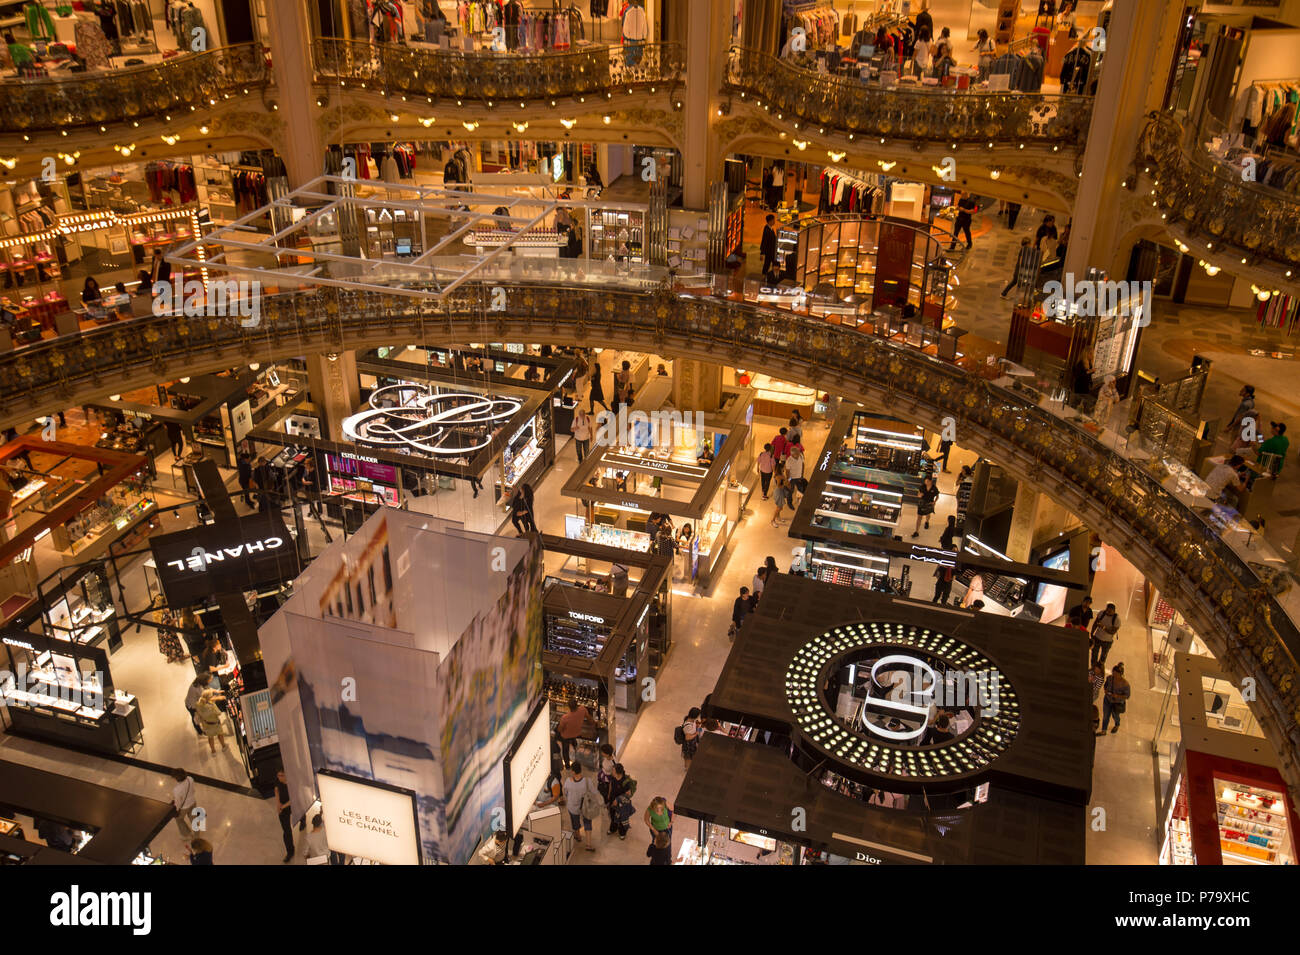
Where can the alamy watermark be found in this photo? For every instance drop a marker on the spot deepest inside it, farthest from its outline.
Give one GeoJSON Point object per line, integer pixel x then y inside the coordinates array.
{"type": "Point", "coordinates": [1098, 297]}
{"type": "Point", "coordinates": [647, 429]}
{"type": "Point", "coordinates": [225, 299]}
{"type": "Point", "coordinates": [82, 690]}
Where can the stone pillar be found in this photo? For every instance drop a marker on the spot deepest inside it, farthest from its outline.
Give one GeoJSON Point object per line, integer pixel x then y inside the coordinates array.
{"type": "Point", "coordinates": [708, 34]}
{"type": "Point", "coordinates": [1139, 46]}
{"type": "Point", "coordinates": [335, 390]}
{"type": "Point", "coordinates": [302, 146]}
{"type": "Point", "coordinates": [1024, 518]}
{"type": "Point", "coordinates": [697, 385]}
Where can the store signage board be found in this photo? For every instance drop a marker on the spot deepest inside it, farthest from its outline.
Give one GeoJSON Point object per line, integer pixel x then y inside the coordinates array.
{"type": "Point", "coordinates": [368, 819]}
{"type": "Point", "coordinates": [226, 557]}
{"type": "Point", "coordinates": [526, 767]}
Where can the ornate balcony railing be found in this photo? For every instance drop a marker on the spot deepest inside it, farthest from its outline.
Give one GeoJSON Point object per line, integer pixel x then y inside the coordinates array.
{"type": "Point", "coordinates": [933, 115]}
{"type": "Point", "coordinates": [1210, 201]}
{"type": "Point", "coordinates": [499, 76]}
{"type": "Point", "coordinates": [1225, 599]}
{"type": "Point", "coordinates": [132, 93]}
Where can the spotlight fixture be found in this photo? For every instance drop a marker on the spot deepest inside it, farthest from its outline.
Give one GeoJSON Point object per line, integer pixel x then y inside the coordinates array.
{"type": "Point", "coordinates": [835, 157]}
{"type": "Point", "coordinates": [800, 144]}
{"type": "Point", "coordinates": [470, 127]}
{"type": "Point", "coordinates": [568, 123]}
{"type": "Point", "coordinates": [606, 119]}
{"type": "Point", "coordinates": [185, 380]}
{"type": "Point", "coordinates": [426, 123]}
{"type": "Point", "coordinates": [520, 127]}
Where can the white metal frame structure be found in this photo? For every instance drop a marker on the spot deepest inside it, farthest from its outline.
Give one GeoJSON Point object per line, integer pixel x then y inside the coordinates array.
{"type": "Point", "coordinates": [273, 256]}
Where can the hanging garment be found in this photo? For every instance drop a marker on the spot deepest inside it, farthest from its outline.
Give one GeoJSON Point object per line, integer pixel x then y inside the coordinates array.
{"type": "Point", "coordinates": [599, 8]}
{"type": "Point", "coordinates": [1075, 67]}
{"type": "Point", "coordinates": [92, 45]}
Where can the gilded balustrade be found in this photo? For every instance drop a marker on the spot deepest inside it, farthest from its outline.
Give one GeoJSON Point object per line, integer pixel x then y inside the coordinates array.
{"type": "Point", "coordinates": [103, 97]}
{"type": "Point", "coordinates": [847, 105]}
{"type": "Point", "coordinates": [1238, 615]}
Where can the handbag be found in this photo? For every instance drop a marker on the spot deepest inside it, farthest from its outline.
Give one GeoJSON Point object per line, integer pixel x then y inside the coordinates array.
{"type": "Point", "coordinates": [591, 805]}
{"type": "Point", "coordinates": [679, 734]}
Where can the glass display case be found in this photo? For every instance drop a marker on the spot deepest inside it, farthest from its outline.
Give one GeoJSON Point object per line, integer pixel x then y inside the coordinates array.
{"type": "Point", "coordinates": [356, 479]}
{"type": "Point", "coordinates": [124, 505]}
{"type": "Point", "coordinates": [78, 606]}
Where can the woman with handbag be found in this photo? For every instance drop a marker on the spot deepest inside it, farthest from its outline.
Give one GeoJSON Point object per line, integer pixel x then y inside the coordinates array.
{"type": "Point", "coordinates": [659, 817]}
{"type": "Point", "coordinates": [209, 714]}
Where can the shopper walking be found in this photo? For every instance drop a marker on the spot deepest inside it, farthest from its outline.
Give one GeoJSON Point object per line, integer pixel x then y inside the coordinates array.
{"type": "Point", "coordinates": [200, 851]}
{"type": "Point", "coordinates": [244, 467]}
{"type": "Point", "coordinates": [1013, 213]}
{"type": "Point", "coordinates": [659, 818]}
{"type": "Point", "coordinates": [569, 729]}
{"type": "Point", "coordinates": [690, 735]}
{"type": "Point", "coordinates": [660, 850]}
{"type": "Point", "coordinates": [740, 610]}
{"type": "Point", "coordinates": [1080, 616]}
{"type": "Point", "coordinates": [208, 710]}
{"type": "Point", "coordinates": [1047, 230]}
{"type": "Point", "coordinates": [623, 386]}
{"type": "Point", "coordinates": [767, 248]}
{"type": "Point", "coordinates": [622, 788]}
{"type": "Point", "coordinates": [943, 577]}
{"type": "Point", "coordinates": [949, 536]}
{"type": "Point", "coordinates": [521, 511]}
{"type": "Point", "coordinates": [925, 504]}
{"type": "Point", "coordinates": [781, 497]}
{"type": "Point", "coordinates": [986, 50]}
{"type": "Point", "coordinates": [1096, 677]}
{"type": "Point", "coordinates": [583, 802]}
{"type": "Point", "coordinates": [1245, 409]}
{"type": "Point", "coordinates": [581, 431]}
{"type": "Point", "coordinates": [780, 447]}
{"type": "Point", "coordinates": [794, 463]}
{"type": "Point", "coordinates": [766, 462]}
{"type": "Point", "coordinates": [597, 394]}
{"type": "Point", "coordinates": [314, 844]}
{"type": "Point", "coordinates": [284, 808]}
{"type": "Point", "coordinates": [184, 801]}
{"type": "Point", "coordinates": [1026, 250]}
{"type": "Point", "coordinates": [1104, 631]}
{"type": "Point", "coordinates": [966, 207]}
{"type": "Point", "coordinates": [1115, 699]}
{"type": "Point", "coordinates": [176, 437]}
{"type": "Point", "coordinates": [201, 682]}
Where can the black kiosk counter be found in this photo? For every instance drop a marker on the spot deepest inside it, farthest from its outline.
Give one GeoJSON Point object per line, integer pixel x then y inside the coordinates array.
{"type": "Point", "coordinates": [120, 825]}
{"type": "Point", "coordinates": [606, 637]}
{"type": "Point", "coordinates": [907, 733]}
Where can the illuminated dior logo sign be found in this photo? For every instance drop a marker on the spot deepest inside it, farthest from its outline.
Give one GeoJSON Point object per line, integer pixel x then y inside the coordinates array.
{"type": "Point", "coordinates": [201, 559]}
{"type": "Point", "coordinates": [590, 618]}
{"type": "Point", "coordinates": [411, 418]}
{"type": "Point", "coordinates": [908, 696]}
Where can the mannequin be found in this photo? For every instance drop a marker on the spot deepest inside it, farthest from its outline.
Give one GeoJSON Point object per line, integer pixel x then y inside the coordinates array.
{"type": "Point", "coordinates": [1075, 68]}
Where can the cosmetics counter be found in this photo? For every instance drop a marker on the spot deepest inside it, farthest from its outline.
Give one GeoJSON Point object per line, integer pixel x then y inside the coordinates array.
{"type": "Point", "coordinates": [214, 412]}
{"type": "Point", "coordinates": [109, 827]}
{"type": "Point", "coordinates": [848, 520]}
{"type": "Point", "coordinates": [604, 636]}
{"type": "Point", "coordinates": [1224, 802]}
{"type": "Point", "coordinates": [618, 488]}
{"type": "Point", "coordinates": [62, 692]}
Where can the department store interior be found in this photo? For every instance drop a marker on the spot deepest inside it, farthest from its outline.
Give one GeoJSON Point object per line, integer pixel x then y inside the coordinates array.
{"type": "Point", "coordinates": [789, 366]}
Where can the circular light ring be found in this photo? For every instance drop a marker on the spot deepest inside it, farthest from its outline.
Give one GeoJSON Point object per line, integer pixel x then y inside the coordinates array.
{"type": "Point", "coordinates": [411, 418]}
{"type": "Point", "coordinates": [874, 759]}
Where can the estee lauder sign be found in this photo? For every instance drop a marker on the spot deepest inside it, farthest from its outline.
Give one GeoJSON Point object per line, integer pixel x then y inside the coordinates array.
{"type": "Point", "coordinates": [225, 557]}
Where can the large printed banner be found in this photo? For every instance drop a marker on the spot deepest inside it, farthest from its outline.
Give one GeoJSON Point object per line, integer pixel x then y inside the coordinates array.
{"type": "Point", "coordinates": [225, 557]}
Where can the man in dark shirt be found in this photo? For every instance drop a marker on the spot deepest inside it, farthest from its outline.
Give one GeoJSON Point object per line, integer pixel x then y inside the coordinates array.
{"type": "Point", "coordinates": [965, 210]}
{"type": "Point", "coordinates": [740, 608]}
{"type": "Point", "coordinates": [283, 806]}
{"type": "Point", "coordinates": [176, 437]}
{"type": "Point", "coordinates": [244, 465]}
{"type": "Point", "coordinates": [943, 575]}
{"type": "Point", "coordinates": [768, 248]}
{"type": "Point", "coordinates": [1081, 616]}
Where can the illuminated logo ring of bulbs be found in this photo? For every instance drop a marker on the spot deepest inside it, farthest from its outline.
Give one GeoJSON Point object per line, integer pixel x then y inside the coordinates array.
{"type": "Point", "coordinates": [412, 419]}
{"type": "Point", "coordinates": [865, 754]}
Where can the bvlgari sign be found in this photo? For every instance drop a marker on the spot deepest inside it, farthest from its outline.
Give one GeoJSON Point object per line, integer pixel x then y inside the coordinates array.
{"type": "Point", "coordinates": [225, 557]}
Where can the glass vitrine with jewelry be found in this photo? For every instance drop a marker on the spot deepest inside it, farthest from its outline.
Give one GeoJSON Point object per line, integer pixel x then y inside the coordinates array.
{"type": "Point", "coordinates": [77, 606]}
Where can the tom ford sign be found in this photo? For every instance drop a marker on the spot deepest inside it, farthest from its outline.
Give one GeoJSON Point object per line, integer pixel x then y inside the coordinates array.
{"type": "Point", "coordinates": [225, 557]}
